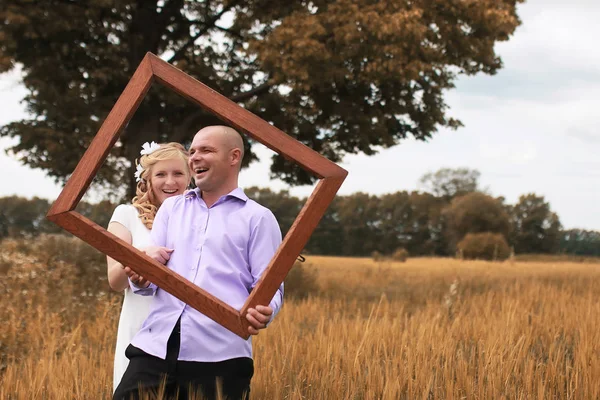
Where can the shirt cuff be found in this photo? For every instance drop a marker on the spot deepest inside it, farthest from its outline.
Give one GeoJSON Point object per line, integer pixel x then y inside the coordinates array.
{"type": "Point", "coordinates": [275, 304]}
{"type": "Point", "coordinates": [149, 291]}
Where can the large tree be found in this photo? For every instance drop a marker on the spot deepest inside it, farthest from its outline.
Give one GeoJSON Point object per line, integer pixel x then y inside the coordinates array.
{"type": "Point", "coordinates": [475, 213]}
{"type": "Point", "coordinates": [341, 76]}
{"type": "Point", "coordinates": [21, 217]}
{"type": "Point", "coordinates": [360, 224]}
{"type": "Point", "coordinates": [448, 183]}
{"type": "Point", "coordinates": [284, 206]}
{"type": "Point", "coordinates": [535, 228]}
{"type": "Point", "coordinates": [412, 221]}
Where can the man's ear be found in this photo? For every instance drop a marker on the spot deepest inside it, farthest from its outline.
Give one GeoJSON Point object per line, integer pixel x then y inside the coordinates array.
{"type": "Point", "coordinates": [235, 156]}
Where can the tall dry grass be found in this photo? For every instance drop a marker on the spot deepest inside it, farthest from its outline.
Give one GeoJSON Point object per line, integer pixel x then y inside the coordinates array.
{"type": "Point", "coordinates": [423, 329]}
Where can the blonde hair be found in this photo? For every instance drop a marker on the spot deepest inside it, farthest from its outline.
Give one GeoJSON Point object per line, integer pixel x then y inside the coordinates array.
{"type": "Point", "coordinates": [144, 200]}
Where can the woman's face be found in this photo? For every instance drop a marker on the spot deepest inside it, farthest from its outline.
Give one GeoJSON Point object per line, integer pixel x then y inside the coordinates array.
{"type": "Point", "coordinates": [169, 178]}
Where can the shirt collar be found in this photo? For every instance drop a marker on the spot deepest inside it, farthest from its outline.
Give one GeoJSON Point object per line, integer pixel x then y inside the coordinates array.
{"type": "Point", "coordinates": [237, 193]}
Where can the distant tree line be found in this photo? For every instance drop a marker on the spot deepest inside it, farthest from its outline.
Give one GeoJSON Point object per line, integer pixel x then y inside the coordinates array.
{"type": "Point", "coordinates": [431, 222]}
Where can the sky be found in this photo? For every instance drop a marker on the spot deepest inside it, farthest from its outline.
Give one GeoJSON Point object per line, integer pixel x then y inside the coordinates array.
{"type": "Point", "coordinates": [531, 128]}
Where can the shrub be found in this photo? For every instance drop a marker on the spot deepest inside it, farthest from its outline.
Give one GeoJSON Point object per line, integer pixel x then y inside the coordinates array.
{"type": "Point", "coordinates": [400, 254]}
{"type": "Point", "coordinates": [89, 265]}
{"type": "Point", "coordinates": [377, 256]}
{"type": "Point", "coordinates": [484, 246]}
{"type": "Point", "coordinates": [69, 249]}
{"type": "Point", "coordinates": [301, 281]}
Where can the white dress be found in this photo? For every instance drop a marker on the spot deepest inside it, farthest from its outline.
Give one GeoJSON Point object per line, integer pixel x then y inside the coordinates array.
{"type": "Point", "coordinates": [135, 307]}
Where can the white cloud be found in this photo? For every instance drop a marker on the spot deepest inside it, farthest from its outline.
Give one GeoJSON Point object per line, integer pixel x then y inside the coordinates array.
{"type": "Point", "coordinates": [555, 35]}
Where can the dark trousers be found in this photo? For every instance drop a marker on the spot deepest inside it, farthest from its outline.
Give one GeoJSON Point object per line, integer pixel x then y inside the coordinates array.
{"type": "Point", "coordinates": [173, 379]}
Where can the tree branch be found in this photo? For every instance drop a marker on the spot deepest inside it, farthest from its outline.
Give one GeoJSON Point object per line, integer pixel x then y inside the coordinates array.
{"type": "Point", "coordinates": [232, 33]}
{"type": "Point", "coordinates": [185, 127]}
{"type": "Point", "coordinates": [208, 25]}
{"type": "Point", "coordinates": [169, 10]}
{"type": "Point", "coordinates": [73, 3]}
{"type": "Point", "coordinates": [252, 92]}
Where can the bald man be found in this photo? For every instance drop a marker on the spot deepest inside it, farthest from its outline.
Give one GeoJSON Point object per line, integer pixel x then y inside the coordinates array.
{"type": "Point", "coordinates": [222, 241]}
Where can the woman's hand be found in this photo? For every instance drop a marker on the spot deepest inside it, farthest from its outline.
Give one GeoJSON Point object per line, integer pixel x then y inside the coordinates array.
{"type": "Point", "coordinates": [136, 278]}
{"type": "Point", "coordinates": [158, 253]}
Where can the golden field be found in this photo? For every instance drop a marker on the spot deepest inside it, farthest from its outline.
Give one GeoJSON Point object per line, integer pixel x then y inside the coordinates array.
{"type": "Point", "coordinates": [424, 329]}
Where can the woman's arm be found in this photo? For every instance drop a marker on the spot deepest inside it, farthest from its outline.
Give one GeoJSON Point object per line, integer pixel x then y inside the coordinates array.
{"type": "Point", "coordinates": [117, 279]}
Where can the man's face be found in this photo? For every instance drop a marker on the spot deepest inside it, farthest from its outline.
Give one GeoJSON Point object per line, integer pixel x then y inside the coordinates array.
{"type": "Point", "coordinates": [209, 160]}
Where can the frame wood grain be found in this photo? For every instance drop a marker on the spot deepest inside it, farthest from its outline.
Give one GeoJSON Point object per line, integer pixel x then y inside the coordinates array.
{"type": "Point", "coordinates": [151, 69]}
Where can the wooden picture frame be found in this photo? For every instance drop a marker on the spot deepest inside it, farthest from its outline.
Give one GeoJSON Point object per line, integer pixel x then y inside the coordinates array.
{"type": "Point", "coordinates": [151, 69]}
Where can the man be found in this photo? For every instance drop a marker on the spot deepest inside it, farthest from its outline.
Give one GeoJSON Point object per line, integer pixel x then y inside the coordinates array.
{"type": "Point", "coordinates": [221, 241]}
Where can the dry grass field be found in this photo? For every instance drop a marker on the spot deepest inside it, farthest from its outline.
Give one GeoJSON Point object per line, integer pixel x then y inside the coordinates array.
{"type": "Point", "coordinates": [423, 329]}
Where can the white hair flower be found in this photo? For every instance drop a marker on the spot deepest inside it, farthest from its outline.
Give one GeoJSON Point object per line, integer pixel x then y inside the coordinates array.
{"type": "Point", "coordinates": [149, 148]}
{"type": "Point", "coordinates": [138, 172]}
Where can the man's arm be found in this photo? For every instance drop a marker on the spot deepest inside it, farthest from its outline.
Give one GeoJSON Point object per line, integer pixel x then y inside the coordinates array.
{"type": "Point", "coordinates": [264, 241]}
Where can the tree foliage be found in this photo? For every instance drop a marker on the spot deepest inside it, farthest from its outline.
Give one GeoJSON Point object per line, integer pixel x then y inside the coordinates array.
{"type": "Point", "coordinates": [340, 76]}
{"type": "Point", "coordinates": [580, 242]}
{"type": "Point", "coordinates": [535, 228]}
{"type": "Point", "coordinates": [359, 224]}
{"type": "Point", "coordinates": [412, 221]}
{"type": "Point", "coordinates": [282, 204]}
{"type": "Point", "coordinates": [449, 183]}
{"type": "Point", "coordinates": [22, 217]}
{"type": "Point", "coordinates": [328, 238]}
{"type": "Point", "coordinates": [475, 213]}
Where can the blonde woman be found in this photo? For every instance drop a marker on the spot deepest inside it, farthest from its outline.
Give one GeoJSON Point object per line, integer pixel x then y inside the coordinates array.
{"type": "Point", "coordinates": [162, 172]}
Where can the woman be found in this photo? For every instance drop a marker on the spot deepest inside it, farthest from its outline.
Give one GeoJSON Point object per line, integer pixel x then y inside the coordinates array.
{"type": "Point", "coordinates": [162, 172]}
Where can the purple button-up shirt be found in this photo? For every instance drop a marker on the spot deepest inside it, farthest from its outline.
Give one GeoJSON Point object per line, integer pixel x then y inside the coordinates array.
{"type": "Point", "coordinates": [224, 250]}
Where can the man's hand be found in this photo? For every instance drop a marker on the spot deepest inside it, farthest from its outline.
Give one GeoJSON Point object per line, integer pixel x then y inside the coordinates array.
{"type": "Point", "coordinates": [258, 318]}
{"type": "Point", "coordinates": [158, 253]}
{"type": "Point", "coordinates": [137, 279]}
